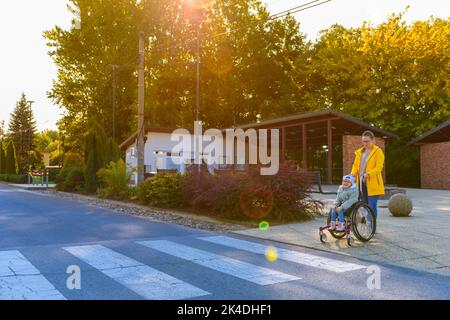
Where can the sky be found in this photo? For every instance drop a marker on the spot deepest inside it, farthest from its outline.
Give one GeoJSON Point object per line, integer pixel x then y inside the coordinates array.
{"type": "Point", "coordinates": [26, 67]}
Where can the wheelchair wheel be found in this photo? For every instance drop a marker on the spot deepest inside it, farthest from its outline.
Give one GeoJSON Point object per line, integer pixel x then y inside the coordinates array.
{"type": "Point", "coordinates": [335, 234]}
{"type": "Point", "coordinates": [363, 222]}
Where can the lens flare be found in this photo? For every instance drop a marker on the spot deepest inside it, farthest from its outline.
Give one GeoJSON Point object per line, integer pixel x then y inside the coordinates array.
{"type": "Point", "coordinates": [264, 226]}
{"type": "Point", "coordinates": [256, 200]}
{"type": "Point", "coordinates": [271, 254]}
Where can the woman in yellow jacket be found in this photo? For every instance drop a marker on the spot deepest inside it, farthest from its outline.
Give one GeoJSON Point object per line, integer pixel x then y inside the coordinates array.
{"type": "Point", "coordinates": [367, 168]}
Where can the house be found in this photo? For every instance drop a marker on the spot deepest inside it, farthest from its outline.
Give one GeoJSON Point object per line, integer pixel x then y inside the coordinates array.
{"type": "Point", "coordinates": [435, 157]}
{"type": "Point", "coordinates": [322, 141]}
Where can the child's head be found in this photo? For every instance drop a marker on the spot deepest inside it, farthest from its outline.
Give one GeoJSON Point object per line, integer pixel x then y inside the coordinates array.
{"type": "Point", "coordinates": [348, 181]}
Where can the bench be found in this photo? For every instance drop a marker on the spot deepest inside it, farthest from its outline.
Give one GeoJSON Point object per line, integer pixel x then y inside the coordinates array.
{"type": "Point", "coordinates": [314, 178]}
{"type": "Point", "coordinates": [162, 171]}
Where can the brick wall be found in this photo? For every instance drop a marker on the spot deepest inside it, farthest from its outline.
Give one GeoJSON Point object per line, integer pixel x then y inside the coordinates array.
{"type": "Point", "coordinates": [434, 165]}
{"type": "Point", "coordinates": [353, 143]}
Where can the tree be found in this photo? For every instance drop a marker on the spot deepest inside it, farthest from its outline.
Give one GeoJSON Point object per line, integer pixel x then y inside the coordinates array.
{"type": "Point", "coordinates": [99, 152]}
{"type": "Point", "coordinates": [11, 159]}
{"type": "Point", "coordinates": [22, 129]}
{"type": "Point", "coordinates": [49, 142]}
{"type": "Point", "coordinates": [246, 72]}
{"type": "Point", "coordinates": [394, 76]}
{"type": "Point", "coordinates": [2, 159]}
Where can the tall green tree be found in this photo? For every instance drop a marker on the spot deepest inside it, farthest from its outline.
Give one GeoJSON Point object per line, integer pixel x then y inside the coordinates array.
{"type": "Point", "coordinates": [245, 72]}
{"type": "Point", "coordinates": [22, 130]}
{"type": "Point", "coordinates": [11, 159]}
{"type": "Point", "coordinates": [393, 75]}
{"type": "Point", "coordinates": [108, 36]}
{"type": "Point", "coordinates": [99, 152]}
{"type": "Point", "coordinates": [2, 159]}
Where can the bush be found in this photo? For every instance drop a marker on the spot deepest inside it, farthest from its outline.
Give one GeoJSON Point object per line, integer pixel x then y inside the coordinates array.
{"type": "Point", "coordinates": [214, 194]}
{"type": "Point", "coordinates": [164, 191]}
{"type": "Point", "coordinates": [53, 173]}
{"type": "Point", "coordinates": [114, 180]}
{"type": "Point", "coordinates": [14, 178]}
{"type": "Point", "coordinates": [70, 179]}
{"type": "Point", "coordinates": [243, 195]}
{"type": "Point", "coordinates": [73, 160]}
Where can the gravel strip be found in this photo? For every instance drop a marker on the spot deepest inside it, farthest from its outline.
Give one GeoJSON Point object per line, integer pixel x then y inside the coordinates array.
{"type": "Point", "coordinates": [184, 219]}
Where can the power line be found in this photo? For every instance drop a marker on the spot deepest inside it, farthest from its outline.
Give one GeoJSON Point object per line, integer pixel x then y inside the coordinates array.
{"type": "Point", "coordinates": [294, 8]}
{"type": "Point", "coordinates": [282, 14]}
{"type": "Point", "coordinates": [302, 9]}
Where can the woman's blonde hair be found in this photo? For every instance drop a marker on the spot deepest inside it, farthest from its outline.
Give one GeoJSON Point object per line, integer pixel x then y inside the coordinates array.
{"type": "Point", "coordinates": [369, 134]}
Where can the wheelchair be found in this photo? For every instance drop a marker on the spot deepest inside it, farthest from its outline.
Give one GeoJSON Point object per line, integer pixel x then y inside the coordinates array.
{"type": "Point", "coordinates": [360, 221]}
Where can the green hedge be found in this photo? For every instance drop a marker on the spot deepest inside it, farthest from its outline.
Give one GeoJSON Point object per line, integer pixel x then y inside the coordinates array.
{"type": "Point", "coordinates": [14, 178]}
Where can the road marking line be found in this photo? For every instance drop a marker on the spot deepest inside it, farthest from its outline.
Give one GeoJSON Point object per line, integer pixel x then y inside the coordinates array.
{"type": "Point", "coordinates": [142, 279]}
{"type": "Point", "coordinates": [236, 268]}
{"type": "Point", "coordinates": [20, 280]}
{"type": "Point", "coordinates": [288, 255]}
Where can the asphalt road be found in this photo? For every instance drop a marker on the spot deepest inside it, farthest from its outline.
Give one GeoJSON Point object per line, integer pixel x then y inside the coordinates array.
{"type": "Point", "coordinates": [54, 248]}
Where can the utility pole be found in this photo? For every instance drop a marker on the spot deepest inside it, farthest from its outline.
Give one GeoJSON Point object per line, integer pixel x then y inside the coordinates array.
{"type": "Point", "coordinates": [141, 109]}
{"type": "Point", "coordinates": [115, 67]}
{"type": "Point", "coordinates": [197, 109]}
{"type": "Point", "coordinates": [197, 104]}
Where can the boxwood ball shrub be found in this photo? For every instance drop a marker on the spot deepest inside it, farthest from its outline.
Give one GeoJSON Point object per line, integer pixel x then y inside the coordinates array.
{"type": "Point", "coordinates": [400, 205]}
{"type": "Point", "coordinates": [163, 191]}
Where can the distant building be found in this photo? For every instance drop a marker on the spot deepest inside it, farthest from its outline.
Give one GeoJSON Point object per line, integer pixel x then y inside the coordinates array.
{"type": "Point", "coordinates": [435, 157]}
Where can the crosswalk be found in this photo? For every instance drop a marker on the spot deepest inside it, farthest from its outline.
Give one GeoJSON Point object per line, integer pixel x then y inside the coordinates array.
{"type": "Point", "coordinates": [21, 279]}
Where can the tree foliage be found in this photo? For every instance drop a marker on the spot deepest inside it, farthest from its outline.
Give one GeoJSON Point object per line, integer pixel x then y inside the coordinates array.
{"type": "Point", "coordinates": [22, 130]}
{"type": "Point", "coordinates": [11, 166]}
{"type": "Point", "coordinates": [393, 75]}
{"type": "Point", "coordinates": [99, 151]}
{"type": "Point", "coordinates": [2, 159]}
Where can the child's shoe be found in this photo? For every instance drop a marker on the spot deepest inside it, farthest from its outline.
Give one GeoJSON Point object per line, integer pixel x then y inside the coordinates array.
{"type": "Point", "coordinates": [332, 225]}
{"type": "Point", "coordinates": [341, 226]}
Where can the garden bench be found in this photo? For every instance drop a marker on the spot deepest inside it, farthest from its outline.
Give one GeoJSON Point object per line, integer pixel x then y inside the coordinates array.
{"type": "Point", "coordinates": [313, 178]}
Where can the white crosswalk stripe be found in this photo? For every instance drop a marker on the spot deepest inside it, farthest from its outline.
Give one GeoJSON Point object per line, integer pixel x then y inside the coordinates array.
{"type": "Point", "coordinates": [20, 280]}
{"type": "Point", "coordinates": [236, 268]}
{"type": "Point", "coordinates": [287, 255]}
{"type": "Point", "coordinates": [142, 279]}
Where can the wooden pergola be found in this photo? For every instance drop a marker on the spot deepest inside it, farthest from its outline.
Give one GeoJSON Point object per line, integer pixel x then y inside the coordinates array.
{"type": "Point", "coordinates": [320, 129]}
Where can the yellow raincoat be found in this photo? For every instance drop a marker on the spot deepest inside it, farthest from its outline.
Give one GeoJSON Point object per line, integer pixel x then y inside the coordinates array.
{"type": "Point", "coordinates": [374, 167]}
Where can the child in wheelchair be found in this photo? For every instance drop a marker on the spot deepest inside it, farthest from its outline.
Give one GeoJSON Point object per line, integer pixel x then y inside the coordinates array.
{"type": "Point", "coordinates": [347, 195]}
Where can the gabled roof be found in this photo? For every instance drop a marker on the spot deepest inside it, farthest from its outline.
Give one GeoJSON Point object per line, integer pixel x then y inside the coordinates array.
{"type": "Point", "coordinates": [439, 134]}
{"type": "Point", "coordinates": [148, 129]}
{"type": "Point", "coordinates": [322, 114]}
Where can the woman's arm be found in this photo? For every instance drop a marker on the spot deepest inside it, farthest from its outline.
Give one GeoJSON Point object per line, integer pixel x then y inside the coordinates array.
{"type": "Point", "coordinates": [350, 201]}
{"type": "Point", "coordinates": [379, 163]}
{"type": "Point", "coordinates": [355, 168]}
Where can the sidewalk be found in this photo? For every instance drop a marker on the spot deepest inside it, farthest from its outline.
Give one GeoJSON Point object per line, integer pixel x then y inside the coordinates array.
{"type": "Point", "coordinates": [32, 187]}
{"type": "Point", "coordinates": [421, 241]}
